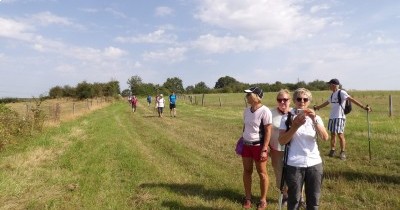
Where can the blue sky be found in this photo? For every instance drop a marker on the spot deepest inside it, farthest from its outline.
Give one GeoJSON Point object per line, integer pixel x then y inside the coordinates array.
{"type": "Point", "coordinates": [45, 43]}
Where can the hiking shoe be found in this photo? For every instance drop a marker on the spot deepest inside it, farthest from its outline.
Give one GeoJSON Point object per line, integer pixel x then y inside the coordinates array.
{"type": "Point", "coordinates": [331, 153]}
{"type": "Point", "coordinates": [342, 155]}
{"type": "Point", "coordinates": [262, 205]}
{"type": "Point", "coordinates": [302, 205]}
{"type": "Point", "coordinates": [246, 203]}
{"type": "Point", "coordinates": [284, 200]}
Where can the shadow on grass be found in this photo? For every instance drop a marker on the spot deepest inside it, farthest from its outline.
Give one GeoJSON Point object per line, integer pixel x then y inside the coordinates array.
{"type": "Point", "coordinates": [360, 176]}
{"type": "Point", "coordinates": [196, 190]}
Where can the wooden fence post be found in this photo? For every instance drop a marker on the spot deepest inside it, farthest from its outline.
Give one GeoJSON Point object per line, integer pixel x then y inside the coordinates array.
{"type": "Point", "coordinates": [73, 108]}
{"type": "Point", "coordinates": [202, 100]}
{"type": "Point", "coordinates": [220, 104]}
{"type": "Point", "coordinates": [390, 105]}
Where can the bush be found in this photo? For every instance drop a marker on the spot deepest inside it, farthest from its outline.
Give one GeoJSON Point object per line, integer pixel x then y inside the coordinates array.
{"type": "Point", "coordinates": [11, 125]}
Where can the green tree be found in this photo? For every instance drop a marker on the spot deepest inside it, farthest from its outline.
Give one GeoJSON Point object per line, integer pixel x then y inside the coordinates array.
{"type": "Point", "coordinates": [125, 93]}
{"type": "Point", "coordinates": [189, 89]}
{"type": "Point", "coordinates": [135, 83]}
{"type": "Point", "coordinates": [56, 92]}
{"type": "Point", "coordinates": [84, 90]}
{"type": "Point", "coordinates": [225, 81]}
{"type": "Point", "coordinates": [112, 88]}
{"type": "Point", "coordinates": [69, 91]}
{"type": "Point", "coordinates": [98, 89]}
{"type": "Point", "coordinates": [201, 87]}
{"type": "Point", "coordinates": [174, 85]}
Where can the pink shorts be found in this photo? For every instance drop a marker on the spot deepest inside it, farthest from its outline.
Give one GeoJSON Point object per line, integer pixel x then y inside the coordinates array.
{"type": "Point", "coordinates": [252, 152]}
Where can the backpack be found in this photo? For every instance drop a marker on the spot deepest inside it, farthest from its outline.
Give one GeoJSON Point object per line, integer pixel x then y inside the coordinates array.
{"type": "Point", "coordinates": [347, 107]}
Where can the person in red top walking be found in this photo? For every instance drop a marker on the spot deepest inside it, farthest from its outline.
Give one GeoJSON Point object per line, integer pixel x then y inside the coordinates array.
{"type": "Point", "coordinates": [134, 101]}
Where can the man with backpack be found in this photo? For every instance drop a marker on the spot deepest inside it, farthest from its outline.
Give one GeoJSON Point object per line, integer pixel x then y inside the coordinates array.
{"type": "Point", "coordinates": [341, 105]}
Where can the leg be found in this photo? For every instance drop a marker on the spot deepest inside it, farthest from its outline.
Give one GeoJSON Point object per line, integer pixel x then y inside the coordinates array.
{"type": "Point", "coordinates": [277, 164]}
{"type": "Point", "coordinates": [342, 141]}
{"type": "Point", "coordinates": [313, 183]}
{"type": "Point", "coordinates": [294, 179]}
{"type": "Point", "coordinates": [261, 167]}
{"type": "Point", "coordinates": [247, 172]}
{"type": "Point", "coordinates": [333, 140]}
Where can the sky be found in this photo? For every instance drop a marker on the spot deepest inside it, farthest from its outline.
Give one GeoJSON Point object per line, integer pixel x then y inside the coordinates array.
{"type": "Point", "coordinates": [48, 43]}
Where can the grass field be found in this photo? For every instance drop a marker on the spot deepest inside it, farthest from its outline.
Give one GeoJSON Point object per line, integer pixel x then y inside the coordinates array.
{"type": "Point", "coordinates": [116, 159]}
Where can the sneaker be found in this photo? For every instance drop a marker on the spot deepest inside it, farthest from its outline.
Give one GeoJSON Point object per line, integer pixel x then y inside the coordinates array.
{"type": "Point", "coordinates": [246, 203]}
{"type": "Point", "coordinates": [262, 205]}
{"type": "Point", "coordinates": [331, 153]}
{"type": "Point", "coordinates": [342, 155]}
{"type": "Point", "coordinates": [302, 205]}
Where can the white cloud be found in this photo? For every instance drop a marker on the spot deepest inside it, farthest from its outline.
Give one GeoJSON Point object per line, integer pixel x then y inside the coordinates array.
{"type": "Point", "coordinates": [317, 8]}
{"type": "Point", "coordinates": [65, 68]}
{"type": "Point", "coordinates": [15, 30]}
{"type": "Point", "coordinates": [163, 11]}
{"type": "Point", "coordinates": [113, 52]}
{"type": "Point", "coordinates": [170, 55]}
{"type": "Point", "coordinates": [47, 18]}
{"type": "Point", "coordinates": [158, 37]}
{"type": "Point", "coordinates": [214, 44]}
{"type": "Point", "coordinates": [382, 40]}
{"type": "Point", "coordinates": [270, 23]}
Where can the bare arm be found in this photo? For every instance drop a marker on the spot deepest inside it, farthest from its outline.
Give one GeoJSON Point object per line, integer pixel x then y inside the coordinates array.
{"type": "Point", "coordinates": [321, 106]}
{"type": "Point", "coordinates": [267, 135]}
{"type": "Point", "coordinates": [359, 104]}
{"type": "Point", "coordinates": [319, 128]}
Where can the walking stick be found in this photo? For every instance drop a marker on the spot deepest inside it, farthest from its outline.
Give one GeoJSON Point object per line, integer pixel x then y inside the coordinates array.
{"type": "Point", "coordinates": [369, 134]}
{"type": "Point", "coordinates": [288, 124]}
{"type": "Point", "coordinates": [285, 156]}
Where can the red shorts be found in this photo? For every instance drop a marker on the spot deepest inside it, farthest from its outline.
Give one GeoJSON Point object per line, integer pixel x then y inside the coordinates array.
{"type": "Point", "coordinates": [252, 152]}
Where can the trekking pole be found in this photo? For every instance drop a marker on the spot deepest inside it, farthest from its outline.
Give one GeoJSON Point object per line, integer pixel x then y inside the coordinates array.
{"type": "Point", "coordinates": [369, 134]}
{"type": "Point", "coordinates": [281, 188]}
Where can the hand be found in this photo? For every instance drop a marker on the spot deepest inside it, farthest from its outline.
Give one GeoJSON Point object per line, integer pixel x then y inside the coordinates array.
{"type": "Point", "coordinates": [299, 120]}
{"type": "Point", "coordinates": [264, 155]}
{"type": "Point", "coordinates": [310, 113]}
{"type": "Point", "coordinates": [368, 108]}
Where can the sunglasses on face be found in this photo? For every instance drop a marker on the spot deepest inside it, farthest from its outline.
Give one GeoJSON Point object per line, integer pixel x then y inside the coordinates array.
{"type": "Point", "coordinates": [281, 100]}
{"type": "Point", "coordinates": [302, 100]}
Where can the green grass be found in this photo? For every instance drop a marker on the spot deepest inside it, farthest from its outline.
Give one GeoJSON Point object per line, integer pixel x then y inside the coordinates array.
{"type": "Point", "coordinates": [116, 159]}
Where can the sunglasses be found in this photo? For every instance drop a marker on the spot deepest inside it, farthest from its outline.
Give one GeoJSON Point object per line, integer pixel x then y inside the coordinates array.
{"type": "Point", "coordinates": [280, 100]}
{"type": "Point", "coordinates": [302, 100]}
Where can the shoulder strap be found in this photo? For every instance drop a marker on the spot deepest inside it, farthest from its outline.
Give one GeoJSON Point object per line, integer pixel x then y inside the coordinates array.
{"type": "Point", "coordinates": [288, 121]}
{"type": "Point", "coordinates": [340, 97]}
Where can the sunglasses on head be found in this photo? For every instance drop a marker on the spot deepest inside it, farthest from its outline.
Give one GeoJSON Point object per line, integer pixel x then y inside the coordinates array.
{"type": "Point", "coordinates": [302, 100]}
{"type": "Point", "coordinates": [280, 100]}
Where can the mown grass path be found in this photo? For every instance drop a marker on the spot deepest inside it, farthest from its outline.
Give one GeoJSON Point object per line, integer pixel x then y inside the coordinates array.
{"type": "Point", "coordinates": [116, 159]}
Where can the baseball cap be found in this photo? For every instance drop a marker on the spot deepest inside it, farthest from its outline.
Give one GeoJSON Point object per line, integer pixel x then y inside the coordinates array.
{"type": "Point", "coordinates": [334, 82]}
{"type": "Point", "coordinates": [255, 90]}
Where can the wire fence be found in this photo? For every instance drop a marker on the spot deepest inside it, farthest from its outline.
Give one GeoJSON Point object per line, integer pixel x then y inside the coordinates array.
{"type": "Point", "coordinates": [381, 102]}
{"type": "Point", "coordinates": [56, 110]}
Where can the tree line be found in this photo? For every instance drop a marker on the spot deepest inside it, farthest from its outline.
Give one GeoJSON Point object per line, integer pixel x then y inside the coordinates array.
{"type": "Point", "coordinates": [226, 84]}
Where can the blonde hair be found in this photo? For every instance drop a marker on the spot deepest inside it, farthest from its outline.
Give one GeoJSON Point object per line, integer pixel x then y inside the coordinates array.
{"type": "Point", "coordinates": [282, 92]}
{"type": "Point", "coordinates": [302, 91]}
{"type": "Point", "coordinates": [255, 97]}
